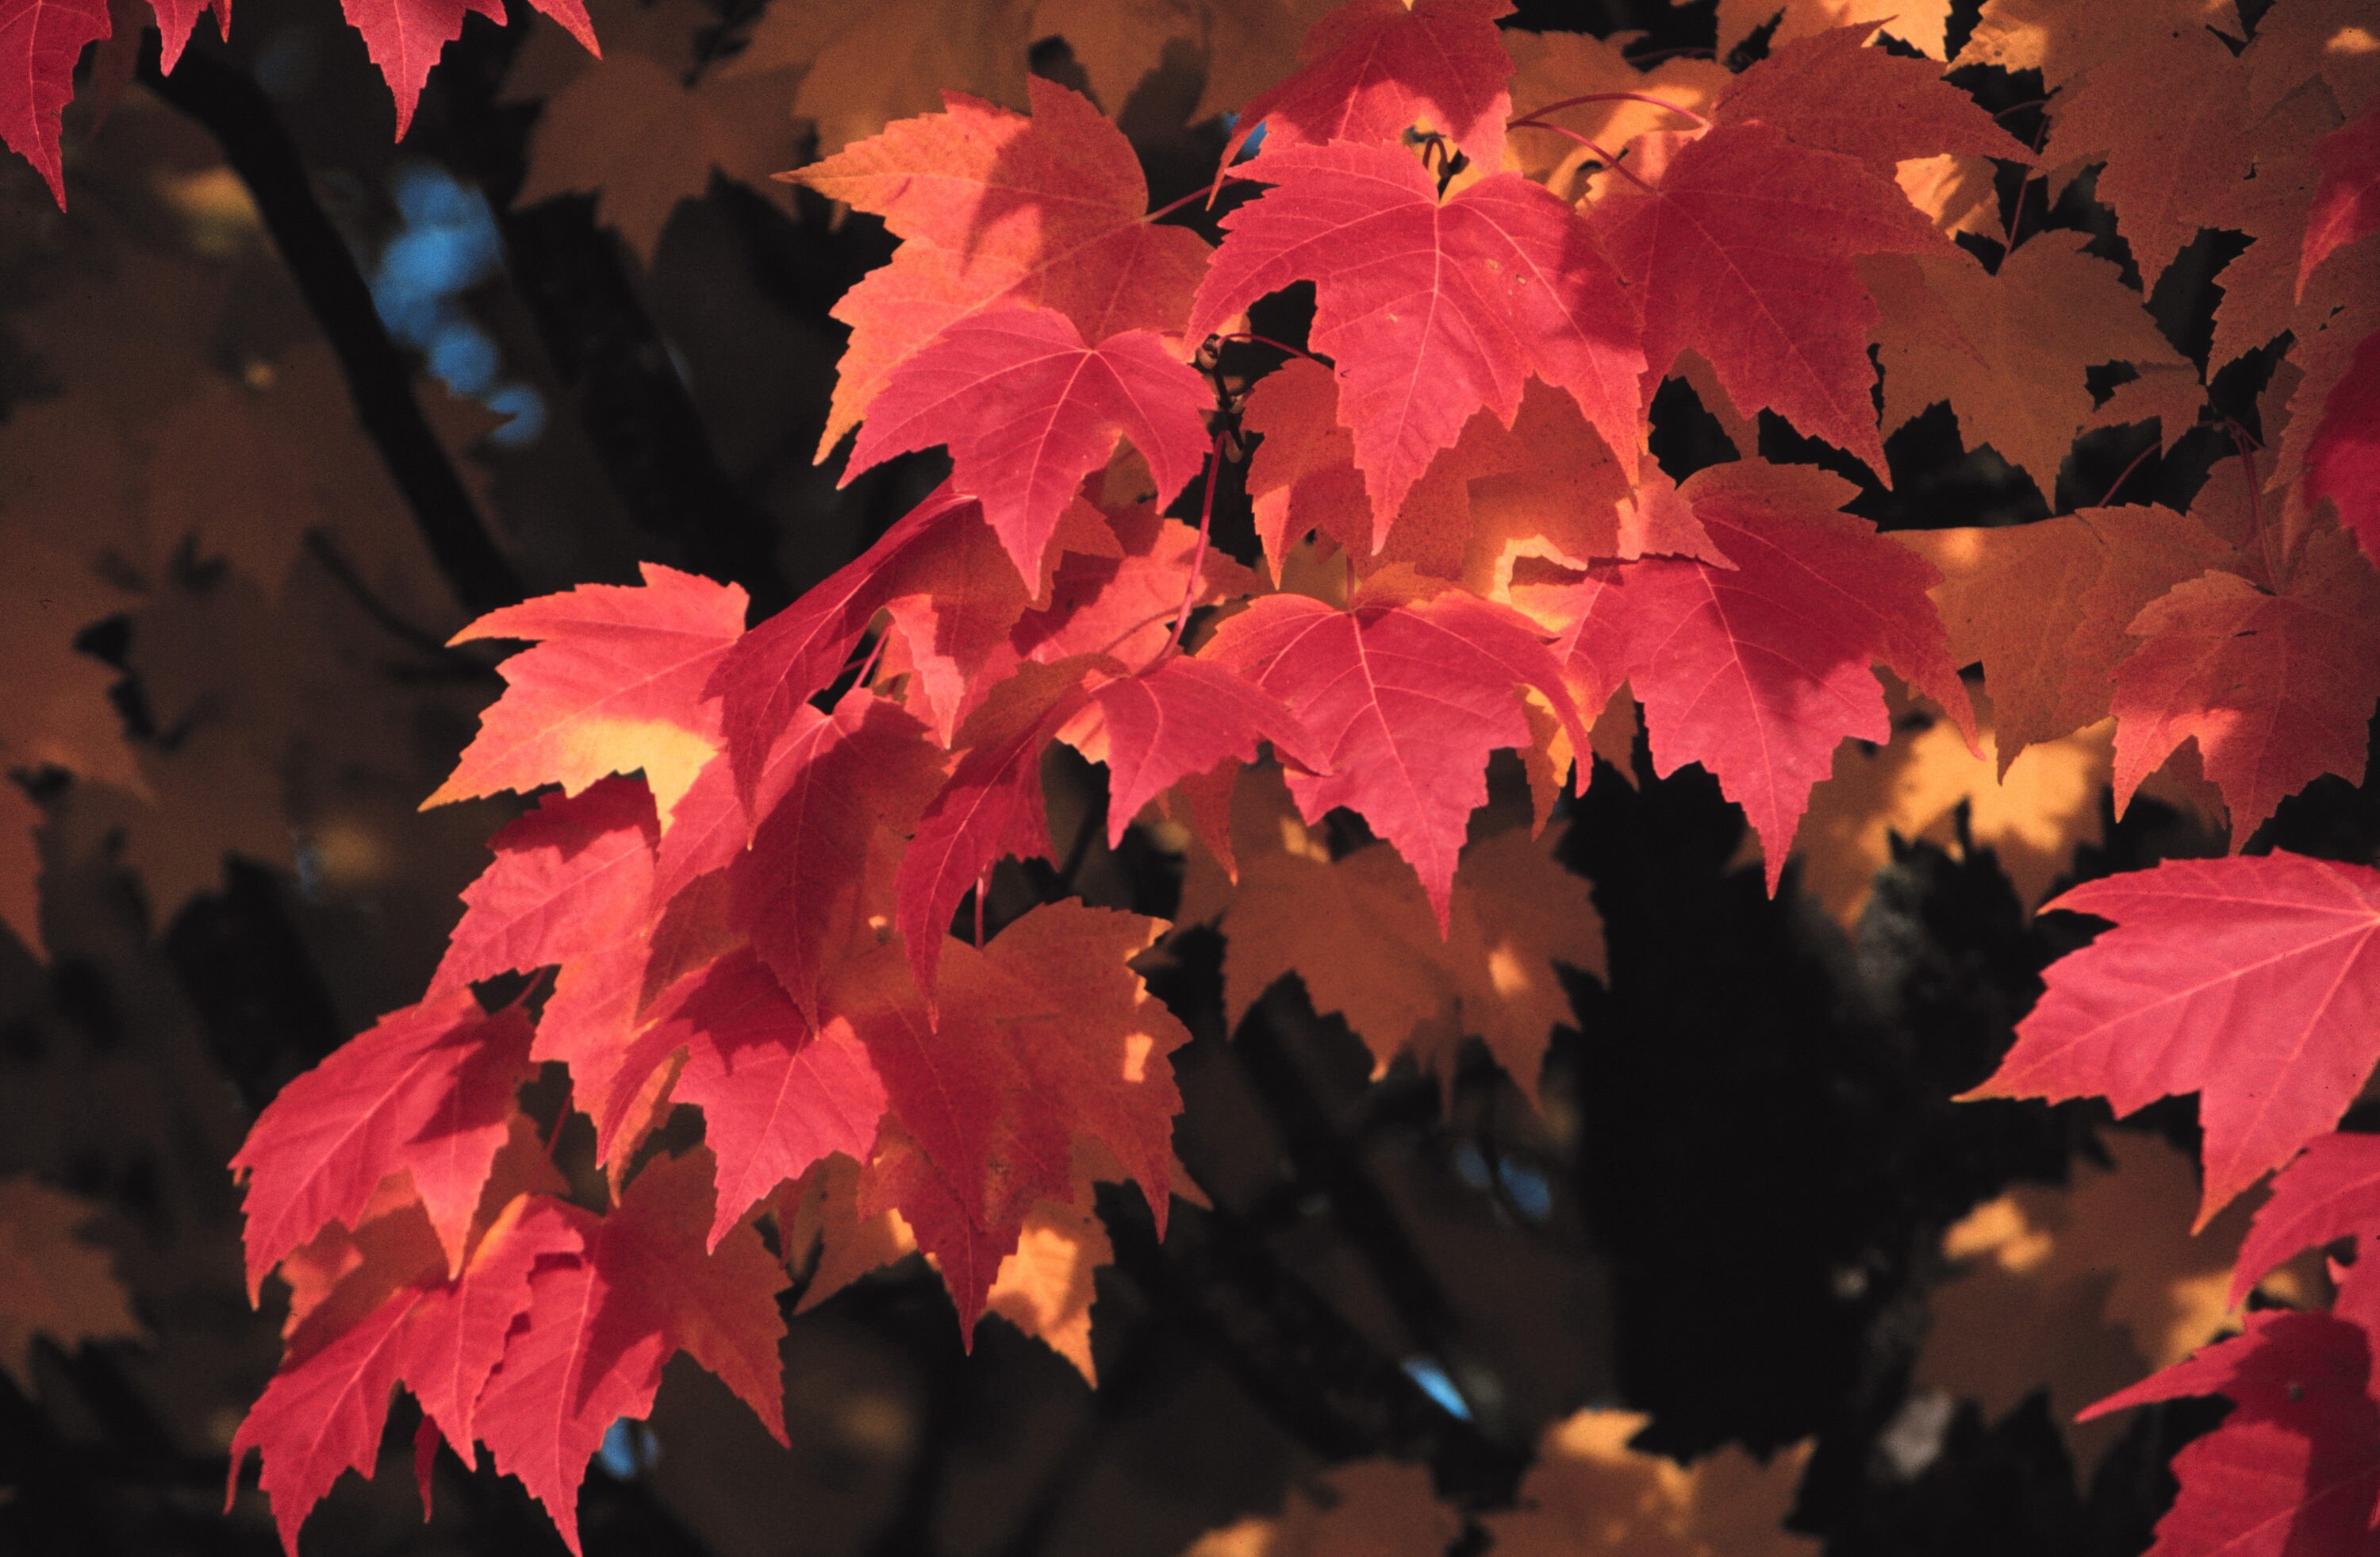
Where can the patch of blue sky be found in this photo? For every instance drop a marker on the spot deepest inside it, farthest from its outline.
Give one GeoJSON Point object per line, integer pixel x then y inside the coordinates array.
{"type": "Point", "coordinates": [448, 245]}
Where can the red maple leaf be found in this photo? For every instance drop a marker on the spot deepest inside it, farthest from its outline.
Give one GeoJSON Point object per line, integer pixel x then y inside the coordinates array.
{"type": "Point", "coordinates": [990, 807]}
{"type": "Point", "coordinates": [711, 827]}
{"type": "Point", "coordinates": [2253, 981]}
{"type": "Point", "coordinates": [798, 892]}
{"type": "Point", "coordinates": [952, 634]}
{"type": "Point", "coordinates": [997, 210]}
{"type": "Point", "coordinates": [1043, 1037]}
{"type": "Point", "coordinates": [323, 1411]}
{"type": "Point", "coordinates": [2343, 459]}
{"type": "Point", "coordinates": [789, 659]}
{"type": "Point", "coordinates": [614, 685]}
{"type": "Point", "coordinates": [2331, 1191]}
{"type": "Point", "coordinates": [570, 888]}
{"type": "Point", "coordinates": [427, 1090]}
{"type": "Point", "coordinates": [1760, 671]}
{"type": "Point", "coordinates": [175, 19]}
{"type": "Point", "coordinates": [2346, 195]}
{"type": "Point", "coordinates": [2296, 1465]}
{"type": "Point", "coordinates": [1028, 410]}
{"type": "Point", "coordinates": [1741, 251]}
{"type": "Point", "coordinates": [2276, 688]}
{"type": "Point", "coordinates": [405, 37]}
{"type": "Point", "coordinates": [1404, 703]}
{"type": "Point", "coordinates": [1371, 70]}
{"type": "Point", "coordinates": [1184, 717]}
{"type": "Point", "coordinates": [569, 879]}
{"type": "Point", "coordinates": [776, 1095]}
{"type": "Point", "coordinates": [599, 1327]}
{"type": "Point", "coordinates": [1122, 603]}
{"type": "Point", "coordinates": [1431, 308]}
{"type": "Point", "coordinates": [40, 42]}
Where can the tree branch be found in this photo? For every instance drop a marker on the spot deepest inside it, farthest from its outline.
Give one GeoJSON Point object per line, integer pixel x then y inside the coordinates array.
{"type": "Point", "coordinates": [227, 101]}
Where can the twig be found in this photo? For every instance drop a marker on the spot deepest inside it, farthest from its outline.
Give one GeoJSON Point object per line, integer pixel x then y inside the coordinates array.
{"type": "Point", "coordinates": [2126, 473]}
{"type": "Point", "coordinates": [1255, 339]}
{"type": "Point", "coordinates": [1197, 557]}
{"type": "Point", "coordinates": [2016, 210]}
{"type": "Point", "coordinates": [1614, 164]}
{"type": "Point", "coordinates": [427, 645]}
{"type": "Point", "coordinates": [234, 110]}
{"type": "Point", "coordinates": [1531, 119]}
{"type": "Point", "coordinates": [2246, 448]}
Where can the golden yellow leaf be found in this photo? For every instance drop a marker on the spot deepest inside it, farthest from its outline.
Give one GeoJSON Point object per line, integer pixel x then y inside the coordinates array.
{"type": "Point", "coordinates": [2008, 350]}
{"type": "Point", "coordinates": [823, 1233]}
{"type": "Point", "coordinates": [1360, 934]}
{"type": "Point", "coordinates": [1552, 67]}
{"type": "Point", "coordinates": [2083, 1290]}
{"type": "Point", "coordinates": [1045, 1287]}
{"type": "Point", "coordinates": [1954, 189]}
{"type": "Point", "coordinates": [1589, 1492]}
{"type": "Point", "coordinates": [51, 1284]}
{"type": "Point", "coordinates": [1919, 23]}
{"type": "Point", "coordinates": [2031, 816]}
{"type": "Point", "coordinates": [1372, 1508]}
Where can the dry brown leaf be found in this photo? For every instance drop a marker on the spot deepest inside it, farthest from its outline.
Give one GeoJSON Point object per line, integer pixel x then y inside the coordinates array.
{"type": "Point", "coordinates": [2083, 1290]}
{"type": "Point", "coordinates": [1373, 1508]}
{"type": "Point", "coordinates": [2044, 606]}
{"type": "Point", "coordinates": [51, 1284]}
{"type": "Point", "coordinates": [1251, 47]}
{"type": "Point", "coordinates": [2336, 41]}
{"type": "Point", "coordinates": [1119, 43]}
{"type": "Point", "coordinates": [2062, 39]}
{"type": "Point", "coordinates": [1361, 935]}
{"type": "Point", "coordinates": [2259, 286]}
{"type": "Point", "coordinates": [2008, 350]}
{"type": "Point", "coordinates": [863, 66]}
{"type": "Point", "coordinates": [20, 868]}
{"type": "Point", "coordinates": [2170, 395]}
{"type": "Point", "coordinates": [630, 131]}
{"type": "Point", "coordinates": [70, 482]}
{"type": "Point", "coordinates": [2163, 122]}
{"type": "Point", "coordinates": [1589, 1492]}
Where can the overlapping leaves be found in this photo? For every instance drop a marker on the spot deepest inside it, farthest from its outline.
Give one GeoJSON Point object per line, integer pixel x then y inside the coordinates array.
{"type": "Point", "coordinates": [763, 890]}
